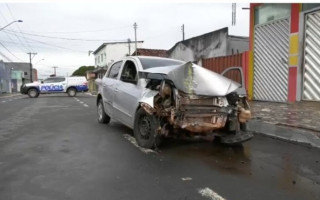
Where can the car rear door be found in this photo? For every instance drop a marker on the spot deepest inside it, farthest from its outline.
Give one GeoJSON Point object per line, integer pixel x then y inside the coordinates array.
{"type": "Point", "coordinates": [109, 85]}
{"type": "Point", "coordinates": [127, 94]}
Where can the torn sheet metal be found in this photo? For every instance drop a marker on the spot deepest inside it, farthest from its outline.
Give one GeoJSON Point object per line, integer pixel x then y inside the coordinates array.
{"type": "Point", "coordinates": [193, 79]}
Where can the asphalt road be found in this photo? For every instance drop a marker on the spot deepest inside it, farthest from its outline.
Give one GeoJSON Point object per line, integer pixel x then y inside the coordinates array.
{"type": "Point", "coordinates": [53, 148]}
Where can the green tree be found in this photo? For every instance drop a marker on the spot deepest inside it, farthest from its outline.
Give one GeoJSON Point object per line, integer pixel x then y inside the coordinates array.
{"type": "Point", "coordinates": [82, 70]}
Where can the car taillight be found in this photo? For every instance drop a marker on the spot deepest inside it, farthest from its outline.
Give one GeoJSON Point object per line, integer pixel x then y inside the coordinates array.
{"type": "Point", "coordinates": [85, 83]}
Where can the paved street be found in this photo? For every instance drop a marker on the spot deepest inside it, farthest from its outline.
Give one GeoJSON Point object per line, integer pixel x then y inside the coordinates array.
{"type": "Point", "coordinates": [52, 147]}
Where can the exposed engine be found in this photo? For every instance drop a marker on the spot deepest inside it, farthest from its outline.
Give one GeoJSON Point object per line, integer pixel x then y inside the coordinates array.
{"type": "Point", "coordinates": [197, 114]}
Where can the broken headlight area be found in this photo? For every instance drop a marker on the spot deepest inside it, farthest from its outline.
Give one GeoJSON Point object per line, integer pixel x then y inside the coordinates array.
{"type": "Point", "coordinates": [184, 107]}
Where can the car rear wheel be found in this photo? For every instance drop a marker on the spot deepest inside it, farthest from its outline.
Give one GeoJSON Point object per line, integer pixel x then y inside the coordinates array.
{"type": "Point", "coordinates": [103, 118]}
{"type": "Point", "coordinates": [72, 92]}
{"type": "Point", "coordinates": [33, 93]}
{"type": "Point", "coordinates": [145, 130]}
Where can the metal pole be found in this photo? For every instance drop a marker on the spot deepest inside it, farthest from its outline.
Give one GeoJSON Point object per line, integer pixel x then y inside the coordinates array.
{"type": "Point", "coordinates": [129, 43]}
{"type": "Point", "coordinates": [55, 70]}
{"type": "Point", "coordinates": [135, 36]}
{"type": "Point", "coordinates": [31, 65]}
{"type": "Point", "coordinates": [182, 28]}
{"type": "Point", "coordinates": [10, 24]}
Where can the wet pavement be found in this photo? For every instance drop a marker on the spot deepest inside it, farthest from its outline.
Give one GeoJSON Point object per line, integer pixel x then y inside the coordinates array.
{"type": "Point", "coordinates": [53, 148]}
{"type": "Point", "coordinates": [304, 114]}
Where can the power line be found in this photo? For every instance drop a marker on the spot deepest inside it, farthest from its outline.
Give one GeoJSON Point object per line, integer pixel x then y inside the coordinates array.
{"type": "Point", "coordinates": [12, 16]}
{"type": "Point", "coordinates": [3, 55]}
{"type": "Point", "coordinates": [63, 38]}
{"type": "Point", "coordinates": [86, 31]}
{"type": "Point", "coordinates": [48, 44]}
{"type": "Point", "coordinates": [10, 51]}
{"type": "Point", "coordinates": [13, 34]}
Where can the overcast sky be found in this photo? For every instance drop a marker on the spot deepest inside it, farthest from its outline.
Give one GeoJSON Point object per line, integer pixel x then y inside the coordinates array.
{"type": "Point", "coordinates": [159, 26]}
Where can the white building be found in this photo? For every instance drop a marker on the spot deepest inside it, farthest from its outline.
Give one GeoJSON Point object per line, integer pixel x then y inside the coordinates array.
{"type": "Point", "coordinates": [107, 53]}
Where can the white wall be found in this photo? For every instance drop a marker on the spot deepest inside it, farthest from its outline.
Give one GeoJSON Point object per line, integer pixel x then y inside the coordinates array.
{"type": "Point", "coordinates": [114, 52]}
{"type": "Point", "coordinates": [209, 45]}
{"type": "Point", "coordinates": [238, 45]}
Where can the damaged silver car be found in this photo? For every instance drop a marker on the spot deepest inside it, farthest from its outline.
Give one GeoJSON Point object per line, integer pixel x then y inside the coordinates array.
{"type": "Point", "coordinates": [159, 98]}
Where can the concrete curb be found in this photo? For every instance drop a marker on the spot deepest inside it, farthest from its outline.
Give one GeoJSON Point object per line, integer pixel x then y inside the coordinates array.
{"type": "Point", "coordinates": [288, 134]}
{"type": "Point", "coordinates": [9, 95]}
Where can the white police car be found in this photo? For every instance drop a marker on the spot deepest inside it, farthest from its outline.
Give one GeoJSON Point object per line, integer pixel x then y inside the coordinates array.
{"type": "Point", "coordinates": [69, 85]}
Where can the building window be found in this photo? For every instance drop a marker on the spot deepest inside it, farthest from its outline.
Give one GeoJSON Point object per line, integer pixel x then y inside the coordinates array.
{"type": "Point", "coordinates": [309, 6]}
{"type": "Point", "coordinates": [25, 73]}
{"type": "Point", "coordinates": [270, 12]}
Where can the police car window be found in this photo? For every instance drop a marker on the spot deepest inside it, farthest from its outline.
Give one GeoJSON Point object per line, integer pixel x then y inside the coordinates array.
{"type": "Point", "coordinates": [48, 80]}
{"type": "Point", "coordinates": [114, 71]}
{"type": "Point", "coordinates": [59, 80]}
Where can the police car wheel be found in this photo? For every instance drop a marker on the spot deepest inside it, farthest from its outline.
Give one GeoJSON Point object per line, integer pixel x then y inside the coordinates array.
{"type": "Point", "coordinates": [33, 93]}
{"type": "Point", "coordinates": [103, 118]}
{"type": "Point", "coordinates": [72, 92]}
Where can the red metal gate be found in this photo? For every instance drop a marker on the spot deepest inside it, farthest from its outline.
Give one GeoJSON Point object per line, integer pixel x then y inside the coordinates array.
{"type": "Point", "coordinates": [218, 64]}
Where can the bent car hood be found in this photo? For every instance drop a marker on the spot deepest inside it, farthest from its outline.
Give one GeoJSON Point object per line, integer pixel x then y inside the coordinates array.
{"type": "Point", "coordinates": [193, 79]}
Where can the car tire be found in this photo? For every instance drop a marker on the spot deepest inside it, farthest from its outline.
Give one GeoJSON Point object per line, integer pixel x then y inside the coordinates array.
{"type": "Point", "coordinates": [145, 130]}
{"type": "Point", "coordinates": [33, 93]}
{"type": "Point", "coordinates": [72, 92]}
{"type": "Point", "coordinates": [103, 118]}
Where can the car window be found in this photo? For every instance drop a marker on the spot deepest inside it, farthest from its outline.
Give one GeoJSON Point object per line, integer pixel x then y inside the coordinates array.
{"type": "Point", "coordinates": [54, 80]}
{"type": "Point", "coordinates": [48, 80]}
{"type": "Point", "coordinates": [114, 71]}
{"type": "Point", "coordinates": [59, 79]}
{"type": "Point", "coordinates": [156, 62]}
{"type": "Point", "coordinates": [129, 72]}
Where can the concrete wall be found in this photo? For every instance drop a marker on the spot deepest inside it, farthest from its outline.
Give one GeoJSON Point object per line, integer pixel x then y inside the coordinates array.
{"type": "Point", "coordinates": [114, 52]}
{"type": "Point", "coordinates": [209, 45]}
{"type": "Point", "coordinates": [5, 79]}
{"type": "Point", "coordinates": [237, 45]}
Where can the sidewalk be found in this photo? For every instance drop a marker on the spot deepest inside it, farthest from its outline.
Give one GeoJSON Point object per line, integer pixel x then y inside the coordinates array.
{"type": "Point", "coordinates": [6, 95]}
{"type": "Point", "coordinates": [297, 122]}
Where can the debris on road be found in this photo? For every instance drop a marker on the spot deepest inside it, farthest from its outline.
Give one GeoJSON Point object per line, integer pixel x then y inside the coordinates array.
{"type": "Point", "coordinates": [207, 192]}
{"type": "Point", "coordinates": [186, 179]}
{"type": "Point", "coordinates": [134, 142]}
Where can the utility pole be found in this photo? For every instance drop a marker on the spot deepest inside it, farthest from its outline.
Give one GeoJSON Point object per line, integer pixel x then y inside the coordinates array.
{"type": "Point", "coordinates": [129, 46]}
{"type": "Point", "coordinates": [31, 64]}
{"type": "Point", "coordinates": [135, 26]}
{"type": "Point", "coordinates": [182, 28]}
{"type": "Point", "coordinates": [234, 11]}
{"type": "Point", "coordinates": [54, 67]}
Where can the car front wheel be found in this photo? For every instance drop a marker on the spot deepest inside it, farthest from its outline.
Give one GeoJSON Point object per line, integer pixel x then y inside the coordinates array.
{"type": "Point", "coordinates": [33, 93]}
{"type": "Point", "coordinates": [103, 118]}
{"type": "Point", "coordinates": [146, 130]}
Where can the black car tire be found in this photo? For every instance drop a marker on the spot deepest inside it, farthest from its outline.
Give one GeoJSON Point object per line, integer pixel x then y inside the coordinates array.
{"type": "Point", "coordinates": [145, 130]}
{"type": "Point", "coordinates": [33, 93]}
{"type": "Point", "coordinates": [103, 118]}
{"type": "Point", "coordinates": [72, 92]}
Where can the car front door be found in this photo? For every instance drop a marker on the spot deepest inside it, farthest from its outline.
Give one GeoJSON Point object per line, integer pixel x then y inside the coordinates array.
{"type": "Point", "coordinates": [109, 85]}
{"type": "Point", "coordinates": [127, 94]}
{"type": "Point", "coordinates": [51, 85]}
{"type": "Point", "coordinates": [236, 74]}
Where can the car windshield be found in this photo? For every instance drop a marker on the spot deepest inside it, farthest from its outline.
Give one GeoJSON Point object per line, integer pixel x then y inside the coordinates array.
{"type": "Point", "coordinates": [155, 62]}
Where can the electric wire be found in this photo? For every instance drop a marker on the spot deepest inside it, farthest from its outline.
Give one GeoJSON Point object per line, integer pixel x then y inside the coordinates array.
{"type": "Point", "coordinates": [10, 52]}
{"type": "Point", "coordinates": [64, 38]}
{"type": "Point", "coordinates": [48, 44]}
{"type": "Point", "coordinates": [9, 36]}
{"type": "Point", "coordinates": [12, 16]}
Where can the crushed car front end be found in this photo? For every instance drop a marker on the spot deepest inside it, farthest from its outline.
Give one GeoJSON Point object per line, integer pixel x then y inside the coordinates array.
{"type": "Point", "coordinates": [194, 101]}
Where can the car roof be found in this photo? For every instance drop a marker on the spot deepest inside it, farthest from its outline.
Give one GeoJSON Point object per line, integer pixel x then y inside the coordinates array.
{"type": "Point", "coordinates": [153, 57]}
